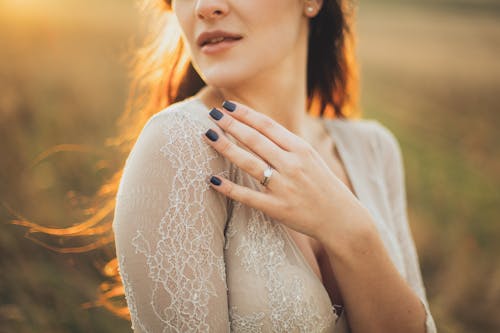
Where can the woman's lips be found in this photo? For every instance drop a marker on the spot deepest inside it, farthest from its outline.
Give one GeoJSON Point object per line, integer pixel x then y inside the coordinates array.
{"type": "Point", "coordinates": [216, 41]}
{"type": "Point", "coordinates": [220, 46]}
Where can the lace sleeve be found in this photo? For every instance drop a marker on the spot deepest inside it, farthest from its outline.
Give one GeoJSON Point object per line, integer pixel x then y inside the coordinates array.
{"type": "Point", "coordinates": [395, 180]}
{"type": "Point", "coordinates": [169, 229]}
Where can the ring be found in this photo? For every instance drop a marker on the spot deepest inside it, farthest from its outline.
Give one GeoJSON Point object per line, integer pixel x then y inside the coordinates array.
{"type": "Point", "coordinates": [267, 175]}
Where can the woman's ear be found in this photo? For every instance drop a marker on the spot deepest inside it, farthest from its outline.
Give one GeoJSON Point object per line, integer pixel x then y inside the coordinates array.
{"type": "Point", "coordinates": [312, 7]}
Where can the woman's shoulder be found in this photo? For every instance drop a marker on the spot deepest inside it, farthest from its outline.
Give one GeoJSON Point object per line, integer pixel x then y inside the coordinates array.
{"type": "Point", "coordinates": [176, 131]}
{"type": "Point", "coordinates": [368, 133]}
{"type": "Point", "coordinates": [361, 126]}
{"type": "Point", "coordinates": [189, 114]}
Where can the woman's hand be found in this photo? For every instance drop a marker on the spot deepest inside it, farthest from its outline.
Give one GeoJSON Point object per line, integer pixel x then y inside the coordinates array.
{"type": "Point", "coordinates": [303, 193]}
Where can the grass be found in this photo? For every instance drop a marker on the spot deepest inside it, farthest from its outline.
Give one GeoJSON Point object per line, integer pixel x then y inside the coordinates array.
{"type": "Point", "coordinates": [430, 75]}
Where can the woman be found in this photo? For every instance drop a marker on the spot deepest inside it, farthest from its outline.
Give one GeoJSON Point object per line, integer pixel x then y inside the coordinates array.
{"type": "Point", "coordinates": [239, 210]}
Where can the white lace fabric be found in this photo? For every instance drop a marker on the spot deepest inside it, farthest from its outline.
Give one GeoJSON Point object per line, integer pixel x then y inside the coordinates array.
{"type": "Point", "coordinates": [192, 260]}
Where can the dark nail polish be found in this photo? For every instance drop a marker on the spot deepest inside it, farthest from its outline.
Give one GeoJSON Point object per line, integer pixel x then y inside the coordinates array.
{"type": "Point", "coordinates": [216, 114]}
{"type": "Point", "coordinates": [229, 106]}
{"type": "Point", "coordinates": [212, 135]}
{"type": "Point", "coordinates": [215, 180]}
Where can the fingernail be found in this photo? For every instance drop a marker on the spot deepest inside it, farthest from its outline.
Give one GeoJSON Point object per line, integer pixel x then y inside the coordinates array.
{"type": "Point", "coordinates": [215, 180]}
{"type": "Point", "coordinates": [229, 106]}
{"type": "Point", "coordinates": [216, 114]}
{"type": "Point", "coordinates": [212, 135]}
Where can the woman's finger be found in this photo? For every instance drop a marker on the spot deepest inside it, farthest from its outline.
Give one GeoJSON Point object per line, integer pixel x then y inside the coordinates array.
{"type": "Point", "coordinates": [259, 200]}
{"type": "Point", "coordinates": [242, 158]}
{"type": "Point", "coordinates": [263, 124]}
{"type": "Point", "coordinates": [265, 148]}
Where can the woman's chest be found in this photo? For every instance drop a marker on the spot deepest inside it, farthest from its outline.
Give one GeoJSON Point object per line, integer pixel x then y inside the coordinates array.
{"type": "Point", "coordinates": [313, 250]}
{"type": "Point", "coordinates": [269, 284]}
{"type": "Point", "coordinates": [277, 280]}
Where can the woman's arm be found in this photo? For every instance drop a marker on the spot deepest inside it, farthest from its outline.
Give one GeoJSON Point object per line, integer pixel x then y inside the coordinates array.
{"type": "Point", "coordinates": [169, 230]}
{"type": "Point", "coordinates": [376, 296]}
{"type": "Point", "coordinates": [396, 190]}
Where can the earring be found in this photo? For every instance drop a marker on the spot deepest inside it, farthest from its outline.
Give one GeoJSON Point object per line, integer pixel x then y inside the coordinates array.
{"type": "Point", "coordinates": [310, 9]}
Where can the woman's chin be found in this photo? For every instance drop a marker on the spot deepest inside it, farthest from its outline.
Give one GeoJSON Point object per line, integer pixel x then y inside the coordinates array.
{"type": "Point", "coordinates": [225, 78]}
{"type": "Point", "coordinates": [224, 82]}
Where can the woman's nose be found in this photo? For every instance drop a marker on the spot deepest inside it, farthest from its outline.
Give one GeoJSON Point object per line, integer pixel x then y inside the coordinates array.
{"type": "Point", "coordinates": [211, 9]}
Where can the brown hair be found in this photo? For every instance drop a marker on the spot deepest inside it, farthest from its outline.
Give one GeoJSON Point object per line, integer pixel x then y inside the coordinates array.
{"type": "Point", "coordinates": [163, 74]}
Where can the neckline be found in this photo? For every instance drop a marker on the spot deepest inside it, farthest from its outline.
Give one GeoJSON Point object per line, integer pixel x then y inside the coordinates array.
{"type": "Point", "coordinates": [344, 157]}
{"type": "Point", "coordinates": [345, 161]}
{"type": "Point", "coordinates": [296, 249]}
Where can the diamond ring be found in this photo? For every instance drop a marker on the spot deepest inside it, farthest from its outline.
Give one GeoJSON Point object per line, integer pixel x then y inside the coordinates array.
{"type": "Point", "coordinates": [267, 175]}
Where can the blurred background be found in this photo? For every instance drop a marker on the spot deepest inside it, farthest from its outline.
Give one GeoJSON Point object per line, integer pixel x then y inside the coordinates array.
{"type": "Point", "coordinates": [430, 72]}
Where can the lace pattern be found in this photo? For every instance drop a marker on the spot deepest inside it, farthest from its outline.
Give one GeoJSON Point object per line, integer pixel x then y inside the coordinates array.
{"type": "Point", "coordinates": [180, 260]}
{"type": "Point", "coordinates": [172, 257]}
{"type": "Point", "coordinates": [252, 323]}
{"type": "Point", "coordinates": [262, 253]}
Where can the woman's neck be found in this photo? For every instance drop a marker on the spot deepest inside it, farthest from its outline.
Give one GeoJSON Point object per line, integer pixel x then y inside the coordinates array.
{"type": "Point", "coordinates": [281, 98]}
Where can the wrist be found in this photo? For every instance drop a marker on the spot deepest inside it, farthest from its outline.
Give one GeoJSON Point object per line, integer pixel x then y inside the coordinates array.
{"type": "Point", "coordinates": [355, 235]}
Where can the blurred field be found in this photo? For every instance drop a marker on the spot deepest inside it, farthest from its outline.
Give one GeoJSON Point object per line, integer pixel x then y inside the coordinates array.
{"type": "Point", "coordinates": [430, 73]}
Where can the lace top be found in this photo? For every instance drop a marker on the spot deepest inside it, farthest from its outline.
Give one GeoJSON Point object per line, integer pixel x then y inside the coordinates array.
{"type": "Point", "coordinates": [194, 260]}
